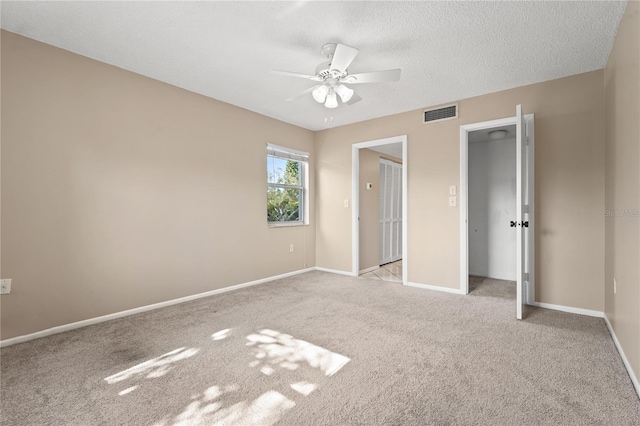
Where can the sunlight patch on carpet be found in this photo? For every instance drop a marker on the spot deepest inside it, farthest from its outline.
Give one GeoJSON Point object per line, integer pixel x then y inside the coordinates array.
{"type": "Point", "coordinates": [276, 355]}
{"type": "Point", "coordinates": [154, 368]}
{"type": "Point", "coordinates": [304, 388]}
{"type": "Point", "coordinates": [265, 410]}
{"type": "Point", "coordinates": [222, 334]}
{"type": "Point", "coordinates": [127, 390]}
{"type": "Point", "coordinates": [273, 348]}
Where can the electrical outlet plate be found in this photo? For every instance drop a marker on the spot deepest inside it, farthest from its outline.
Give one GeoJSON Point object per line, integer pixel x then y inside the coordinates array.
{"type": "Point", "coordinates": [452, 190]}
{"type": "Point", "coordinates": [452, 201]}
{"type": "Point", "coordinates": [5, 286]}
{"type": "Point", "coordinates": [291, 248]}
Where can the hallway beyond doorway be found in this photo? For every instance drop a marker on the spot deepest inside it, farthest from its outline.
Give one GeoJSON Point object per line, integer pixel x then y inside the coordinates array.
{"type": "Point", "coordinates": [387, 272]}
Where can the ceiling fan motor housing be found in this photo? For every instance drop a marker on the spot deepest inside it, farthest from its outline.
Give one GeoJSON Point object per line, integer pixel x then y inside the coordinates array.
{"type": "Point", "coordinates": [325, 72]}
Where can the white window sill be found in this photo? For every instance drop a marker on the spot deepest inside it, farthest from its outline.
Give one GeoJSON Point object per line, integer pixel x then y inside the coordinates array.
{"type": "Point", "coordinates": [285, 224]}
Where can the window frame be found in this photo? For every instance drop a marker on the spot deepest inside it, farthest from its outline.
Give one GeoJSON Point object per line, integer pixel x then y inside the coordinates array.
{"type": "Point", "coordinates": [302, 158]}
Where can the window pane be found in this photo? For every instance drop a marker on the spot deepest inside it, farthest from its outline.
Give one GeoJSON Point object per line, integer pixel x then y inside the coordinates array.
{"type": "Point", "coordinates": [283, 205]}
{"type": "Point", "coordinates": [280, 170]}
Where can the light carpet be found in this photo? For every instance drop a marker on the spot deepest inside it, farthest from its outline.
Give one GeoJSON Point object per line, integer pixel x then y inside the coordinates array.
{"type": "Point", "coordinates": [323, 349]}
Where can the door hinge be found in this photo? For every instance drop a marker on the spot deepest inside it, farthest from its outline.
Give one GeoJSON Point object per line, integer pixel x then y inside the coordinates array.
{"type": "Point", "coordinates": [525, 208]}
{"type": "Point", "coordinates": [526, 276]}
{"type": "Point", "coordinates": [526, 140]}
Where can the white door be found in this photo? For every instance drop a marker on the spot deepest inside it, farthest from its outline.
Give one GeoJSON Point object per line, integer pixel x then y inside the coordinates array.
{"type": "Point", "coordinates": [390, 243]}
{"type": "Point", "coordinates": [521, 224]}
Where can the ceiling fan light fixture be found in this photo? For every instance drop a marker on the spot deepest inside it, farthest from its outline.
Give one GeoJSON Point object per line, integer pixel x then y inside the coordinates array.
{"type": "Point", "coordinates": [320, 93]}
{"type": "Point", "coordinates": [344, 92]}
{"type": "Point", "coordinates": [333, 76]}
{"type": "Point", "coordinates": [332, 101]}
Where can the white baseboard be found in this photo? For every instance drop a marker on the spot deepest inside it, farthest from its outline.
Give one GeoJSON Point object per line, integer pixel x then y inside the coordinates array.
{"type": "Point", "coordinates": [334, 271]}
{"type": "Point", "coordinates": [435, 287]}
{"type": "Point", "coordinates": [103, 318]}
{"type": "Point", "coordinates": [570, 309]}
{"type": "Point", "coordinates": [632, 375]}
{"type": "Point", "coordinates": [364, 271]}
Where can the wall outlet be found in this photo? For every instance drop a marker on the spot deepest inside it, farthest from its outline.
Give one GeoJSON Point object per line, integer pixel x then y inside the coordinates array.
{"type": "Point", "coordinates": [5, 286]}
{"type": "Point", "coordinates": [452, 190]}
{"type": "Point", "coordinates": [291, 248]}
{"type": "Point", "coordinates": [452, 201]}
{"type": "Point", "coordinates": [615, 286]}
{"type": "Point", "coordinates": [346, 204]}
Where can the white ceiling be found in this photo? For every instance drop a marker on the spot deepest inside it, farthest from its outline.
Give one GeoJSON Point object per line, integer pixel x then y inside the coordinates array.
{"type": "Point", "coordinates": [446, 50]}
{"type": "Point", "coordinates": [483, 135]}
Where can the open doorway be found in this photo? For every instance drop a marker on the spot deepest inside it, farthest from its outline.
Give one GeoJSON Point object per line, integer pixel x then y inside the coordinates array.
{"type": "Point", "coordinates": [491, 209]}
{"type": "Point", "coordinates": [379, 209]}
{"type": "Point", "coordinates": [487, 248]}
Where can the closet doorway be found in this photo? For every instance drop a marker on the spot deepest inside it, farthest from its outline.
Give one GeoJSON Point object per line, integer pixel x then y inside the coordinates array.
{"type": "Point", "coordinates": [379, 209]}
{"type": "Point", "coordinates": [497, 206]}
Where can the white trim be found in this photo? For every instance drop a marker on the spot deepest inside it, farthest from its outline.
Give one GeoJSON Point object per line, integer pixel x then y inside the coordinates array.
{"type": "Point", "coordinates": [373, 268]}
{"type": "Point", "coordinates": [570, 309]}
{"type": "Point", "coordinates": [355, 202]}
{"type": "Point", "coordinates": [335, 271]}
{"type": "Point", "coordinates": [531, 214]}
{"type": "Point", "coordinates": [284, 149]}
{"type": "Point", "coordinates": [435, 287]}
{"type": "Point", "coordinates": [108, 317]}
{"type": "Point", "coordinates": [625, 361]}
{"type": "Point", "coordinates": [464, 210]}
{"type": "Point", "coordinates": [464, 199]}
{"type": "Point", "coordinates": [285, 224]}
{"type": "Point", "coordinates": [405, 210]}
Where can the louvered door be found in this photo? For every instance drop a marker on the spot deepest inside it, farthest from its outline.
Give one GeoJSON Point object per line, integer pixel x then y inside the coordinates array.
{"type": "Point", "coordinates": [390, 241]}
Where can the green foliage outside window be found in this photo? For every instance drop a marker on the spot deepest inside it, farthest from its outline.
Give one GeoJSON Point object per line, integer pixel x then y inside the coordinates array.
{"type": "Point", "coordinates": [284, 191]}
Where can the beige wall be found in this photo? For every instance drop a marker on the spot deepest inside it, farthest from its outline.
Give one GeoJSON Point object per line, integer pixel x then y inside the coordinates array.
{"type": "Point", "coordinates": [369, 209]}
{"type": "Point", "coordinates": [622, 97]}
{"type": "Point", "coordinates": [569, 128]}
{"type": "Point", "coordinates": [120, 191]}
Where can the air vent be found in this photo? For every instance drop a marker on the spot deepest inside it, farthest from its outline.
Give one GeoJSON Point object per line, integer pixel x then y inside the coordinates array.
{"type": "Point", "coordinates": [445, 113]}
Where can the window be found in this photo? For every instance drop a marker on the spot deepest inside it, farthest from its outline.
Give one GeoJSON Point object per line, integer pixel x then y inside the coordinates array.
{"type": "Point", "coordinates": [286, 186]}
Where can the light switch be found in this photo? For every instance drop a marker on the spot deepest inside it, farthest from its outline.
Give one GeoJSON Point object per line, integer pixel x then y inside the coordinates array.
{"type": "Point", "coordinates": [346, 204]}
{"type": "Point", "coordinates": [369, 186]}
{"type": "Point", "coordinates": [452, 190]}
{"type": "Point", "coordinates": [5, 286]}
{"type": "Point", "coordinates": [452, 201]}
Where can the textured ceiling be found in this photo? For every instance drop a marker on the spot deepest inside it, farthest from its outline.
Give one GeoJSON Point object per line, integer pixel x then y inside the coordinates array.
{"type": "Point", "coordinates": [225, 50]}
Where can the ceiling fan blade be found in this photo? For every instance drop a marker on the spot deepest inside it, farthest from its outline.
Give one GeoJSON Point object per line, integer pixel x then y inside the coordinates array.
{"type": "Point", "coordinates": [373, 77]}
{"type": "Point", "coordinates": [301, 94]}
{"type": "Point", "coordinates": [342, 57]}
{"type": "Point", "coordinates": [355, 98]}
{"type": "Point", "coordinates": [295, 74]}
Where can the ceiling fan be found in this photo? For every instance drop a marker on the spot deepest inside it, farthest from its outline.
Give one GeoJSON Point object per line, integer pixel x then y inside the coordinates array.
{"type": "Point", "coordinates": [334, 75]}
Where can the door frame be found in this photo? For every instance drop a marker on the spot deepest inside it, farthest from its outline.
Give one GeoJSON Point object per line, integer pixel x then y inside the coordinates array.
{"type": "Point", "coordinates": [464, 200]}
{"type": "Point", "coordinates": [355, 197]}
